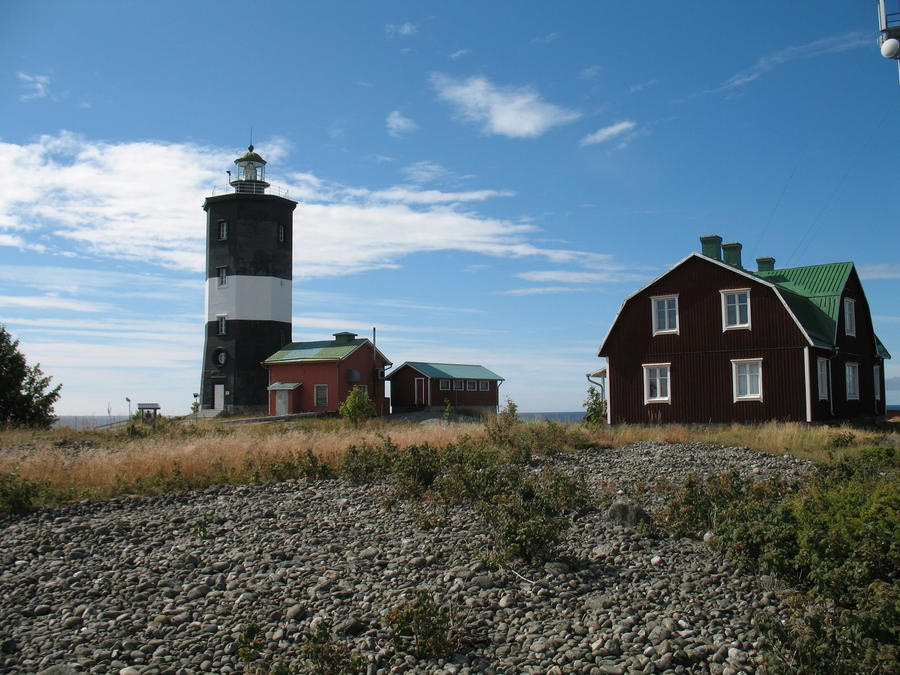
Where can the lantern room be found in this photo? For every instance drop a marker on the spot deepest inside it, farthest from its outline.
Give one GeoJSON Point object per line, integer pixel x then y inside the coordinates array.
{"type": "Point", "coordinates": [251, 173]}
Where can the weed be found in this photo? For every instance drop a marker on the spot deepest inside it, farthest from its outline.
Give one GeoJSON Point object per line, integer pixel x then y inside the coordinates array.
{"type": "Point", "coordinates": [325, 656]}
{"type": "Point", "coordinates": [248, 642]}
{"type": "Point", "coordinates": [424, 627]}
{"type": "Point", "coordinates": [18, 495]}
{"type": "Point", "coordinates": [415, 470]}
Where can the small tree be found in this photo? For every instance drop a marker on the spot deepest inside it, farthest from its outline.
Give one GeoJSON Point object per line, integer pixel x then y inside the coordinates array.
{"type": "Point", "coordinates": [594, 408]}
{"type": "Point", "coordinates": [24, 398]}
{"type": "Point", "coordinates": [357, 407]}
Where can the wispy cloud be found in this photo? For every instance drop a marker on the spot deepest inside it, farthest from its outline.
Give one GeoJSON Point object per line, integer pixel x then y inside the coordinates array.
{"type": "Point", "coordinates": [51, 302]}
{"type": "Point", "coordinates": [459, 54]}
{"type": "Point", "coordinates": [516, 112]}
{"type": "Point", "coordinates": [814, 49]}
{"type": "Point", "coordinates": [635, 88]}
{"type": "Point", "coordinates": [545, 39]}
{"type": "Point", "coordinates": [398, 125]}
{"type": "Point", "coordinates": [36, 86]}
{"type": "Point", "coordinates": [404, 29]}
{"type": "Point", "coordinates": [613, 274]}
{"type": "Point", "coordinates": [591, 72]}
{"type": "Point", "coordinates": [541, 290]}
{"type": "Point", "coordinates": [424, 172]}
{"type": "Point", "coordinates": [879, 271]}
{"type": "Point", "coordinates": [608, 133]}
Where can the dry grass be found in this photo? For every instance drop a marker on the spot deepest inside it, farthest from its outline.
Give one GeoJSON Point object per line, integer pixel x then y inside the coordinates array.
{"type": "Point", "coordinates": [103, 464]}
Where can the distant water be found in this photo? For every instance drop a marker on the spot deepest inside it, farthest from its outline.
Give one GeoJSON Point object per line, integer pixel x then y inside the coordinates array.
{"type": "Point", "coordinates": [574, 417]}
{"type": "Point", "coordinates": [80, 422]}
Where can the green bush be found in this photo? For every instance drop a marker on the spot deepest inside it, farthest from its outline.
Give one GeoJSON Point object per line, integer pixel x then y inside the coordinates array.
{"type": "Point", "coordinates": [364, 463]}
{"type": "Point", "coordinates": [424, 627]}
{"type": "Point", "coordinates": [415, 470]}
{"type": "Point", "coordinates": [834, 536]}
{"type": "Point", "coordinates": [18, 495]}
{"type": "Point", "coordinates": [357, 407]}
{"type": "Point", "coordinates": [326, 656]}
{"type": "Point", "coordinates": [529, 515]}
{"type": "Point", "coordinates": [594, 408]}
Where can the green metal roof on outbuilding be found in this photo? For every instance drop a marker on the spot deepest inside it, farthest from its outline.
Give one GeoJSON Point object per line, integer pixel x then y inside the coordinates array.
{"type": "Point", "coordinates": [343, 345]}
{"type": "Point", "coordinates": [453, 371]}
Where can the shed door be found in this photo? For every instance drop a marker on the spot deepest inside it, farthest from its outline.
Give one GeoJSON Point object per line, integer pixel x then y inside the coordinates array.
{"type": "Point", "coordinates": [281, 403]}
{"type": "Point", "coordinates": [420, 391]}
{"type": "Point", "coordinates": [218, 396]}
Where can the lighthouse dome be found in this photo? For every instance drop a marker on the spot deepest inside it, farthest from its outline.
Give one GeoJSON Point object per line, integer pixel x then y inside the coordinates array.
{"type": "Point", "coordinates": [250, 156]}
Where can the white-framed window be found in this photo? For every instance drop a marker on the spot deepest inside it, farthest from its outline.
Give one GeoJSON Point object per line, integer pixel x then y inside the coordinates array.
{"type": "Point", "coordinates": [849, 316]}
{"type": "Point", "coordinates": [746, 376]}
{"type": "Point", "coordinates": [876, 371]}
{"type": "Point", "coordinates": [656, 383]}
{"type": "Point", "coordinates": [445, 385]}
{"type": "Point", "coordinates": [665, 314]}
{"type": "Point", "coordinates": [220, 322]}
{"type": "Point", "coordinates": [822, 378]}
{"type": "Point", "coordinates": [735, 308]}
{"type": "Point", "coordinates": [471, 385]}
{"type": "Point", "coordinates": [484, 385]}
{"type": "Point", "coordinates": [459, 385]}
{"type": "Point", "coordinates": [321, 394]}
{"type": "Point", "coordinates": [223, 230]}
{"type": "Point", "coordinates": [222, 273]}
{"type": "Point", "coordinates": [364, 388]}
{"type": "Point", "coordinates": [851, 371]}
{"type": "Point", "coordinates": [280, 233]}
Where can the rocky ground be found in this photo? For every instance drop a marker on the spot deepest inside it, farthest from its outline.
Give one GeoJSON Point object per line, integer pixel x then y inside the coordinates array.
{"type": "Point", "coordinates": [168, 584]}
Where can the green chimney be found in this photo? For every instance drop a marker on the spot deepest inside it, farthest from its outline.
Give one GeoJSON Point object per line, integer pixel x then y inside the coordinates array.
{"type": "Point", "coordinates": [766, 264]}
{"type": "Point", "coordinates": [711, 246]}
{"type": "Point", "coordinates": [732, 253]}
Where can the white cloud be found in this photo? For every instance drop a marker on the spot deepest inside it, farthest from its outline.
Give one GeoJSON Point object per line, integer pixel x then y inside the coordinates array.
{"type": "Point", "coordinates": [541, 290]}
{"type": "Point", "coordinates": [397, 124]}
{"type": "Point", "coordinates": [405, 29]}
{"type": "Point", "coordinates": [424, 172]}
{"type": "Point", "coordinates": [51, 302]}
{"type": "Point", "coordinates": [611, 275]}
{"type": "Point", "coordinates": [635, 88]}
{"type": "Point", "coordinates": [459, 54]}
{"type": "Point", "coordinates": [545, 39]}
{"type": "Point", "coordinates": [608, 133]}
{"type": "Point", "coordinates": [591, 72]}
{"type": "Point", "coordinates": [814, 49]}
{"type": "Point", "coordinates": [36, 86]}
{"type": "Point", "coordinates": [516, 112]}
{"type": "Point", "coordinates": [879, 271]}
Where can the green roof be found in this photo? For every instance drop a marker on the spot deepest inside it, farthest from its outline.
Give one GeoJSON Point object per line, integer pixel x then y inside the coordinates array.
{"type": "Point", "coordinates": [451, 371]}
{"type": "Point", "coordinates": [323, 350]}
{"type": "Point", "coordinates": [283, 386]}
{"type": "Point", "coordinates": [814, 295]}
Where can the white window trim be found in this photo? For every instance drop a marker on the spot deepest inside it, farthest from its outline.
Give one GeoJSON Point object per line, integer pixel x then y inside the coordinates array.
{"type": "Point", "coordinates": [222, 275]}
{"type": "Point", "coordinates": [876, 372]}
{"type": "Point", "coordinates": [822, 377]}
{"type": "Point", "coordinates": [222, 230]}
{"type": "Point", "coordinates": [459, 385]}
{"type": "Point", "coordinates": [220, 323]}
{"type": "Point", "coordinates": [471, 385]}
{"type": "Point", "coordinates": [484, 385]}
{"type": "Point", "coordinates": [854, 366]}
{"type": "Point", "coordinates": [442, 382]}
{"type": "Point", "coordinates": [655, 315]}
{"type": "Point", "coordinates": [364, 388]}
{"type": "Point", "coordinates": [316, 389]}
{"type": "Point", "coordinates": [850, 317]}
{"type": "Point", "coordinates": [646, 378]}
{"type": "Point", "coordinates": [738, 326]}
{"type": "Point", "coordinates": [734, 380]}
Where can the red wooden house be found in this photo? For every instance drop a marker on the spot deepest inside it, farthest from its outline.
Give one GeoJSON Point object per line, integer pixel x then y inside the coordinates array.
{"type": "Point", "coordinates": [709, 341]}
{"type": "Point", "coordinates": [317, 376]}
{"type": "Point", "coordinates": [428, 386]}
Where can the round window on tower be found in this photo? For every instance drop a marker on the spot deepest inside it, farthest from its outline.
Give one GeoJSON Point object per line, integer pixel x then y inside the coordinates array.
{"type": "Point", "coordinates": [221, 357]}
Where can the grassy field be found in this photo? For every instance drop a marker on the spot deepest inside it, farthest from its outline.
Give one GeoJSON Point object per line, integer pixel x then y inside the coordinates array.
{"type": "Point", "coordinates": [70, 465]}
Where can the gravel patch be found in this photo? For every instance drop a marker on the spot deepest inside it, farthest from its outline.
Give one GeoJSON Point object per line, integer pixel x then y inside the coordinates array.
{"type": "Point", "coordinates": [165, 584]}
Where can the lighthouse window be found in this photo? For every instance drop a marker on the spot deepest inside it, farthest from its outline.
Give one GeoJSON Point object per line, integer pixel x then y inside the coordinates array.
{"type": "Point", "coordinates": [281, 233]}
{"type": "Point", "coordinates": [221, 322]}
{"type": "Point", "coordinates": [223, 275]}
{"type": "Point", "coordinates": [221, 357]}
{"type": "Point", "coordinates": [223, 230]}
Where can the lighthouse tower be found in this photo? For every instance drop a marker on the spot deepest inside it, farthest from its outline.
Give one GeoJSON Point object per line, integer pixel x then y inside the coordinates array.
{"type": "Point", "coordinates": [249, 236]}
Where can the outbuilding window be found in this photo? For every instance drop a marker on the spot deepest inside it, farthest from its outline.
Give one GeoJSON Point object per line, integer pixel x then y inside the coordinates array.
{"type": "Point", "coordinates": [665, 314]}
{"type": "Point", "coordinates": [735, 309]}
{"type": "Point", "coordinates": [876, 371]}
{"type": "Point", "coordinates": [445, 385]}
{"type": "Point", "coordinates": [822, 377]}
{"type": "Point", "coordinates": [747, 379]}
{"type": "Point", "coordinates": [321, 395]}
{"type": "Point", "coordinates": [471, 385]}
{"type": "Point", "coordinates": [656, 383]}
{"type": "Point", "coordinates": [459, 385]}
{"type": "Point", "coordinates": [484, 385]}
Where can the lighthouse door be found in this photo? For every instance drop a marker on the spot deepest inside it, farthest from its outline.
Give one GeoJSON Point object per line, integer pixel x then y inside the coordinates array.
{"type": "Point", "coordinates": [218, 396]}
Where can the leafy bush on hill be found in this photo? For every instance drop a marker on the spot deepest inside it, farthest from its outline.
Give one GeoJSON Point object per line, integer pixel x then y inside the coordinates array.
{"type": "Point", "coordinates": [833, 537]}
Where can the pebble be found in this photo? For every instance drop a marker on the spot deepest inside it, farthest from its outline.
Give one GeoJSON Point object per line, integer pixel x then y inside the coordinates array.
{"type": "Point", "coordinates": [130, 586]}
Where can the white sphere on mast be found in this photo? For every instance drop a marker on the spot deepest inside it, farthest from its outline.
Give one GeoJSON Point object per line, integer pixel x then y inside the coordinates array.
{"type": "Point", "coordinates": [890, 48]}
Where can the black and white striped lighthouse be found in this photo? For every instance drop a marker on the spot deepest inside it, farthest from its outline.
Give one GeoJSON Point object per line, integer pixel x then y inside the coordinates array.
{"type": "Point", "coordinates": [249, 236]}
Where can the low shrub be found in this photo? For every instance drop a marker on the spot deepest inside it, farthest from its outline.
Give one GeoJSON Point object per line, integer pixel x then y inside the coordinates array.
{"type": "Point", "coordinates": [18, 495]}
{"type": "Point", "coordinates": [415, 470]}
{"type": "Point", "coordinates": [326, 656]}
{"type": "Point", "coordinates": [367, 462]}
{"type": "Point", "coordinates": [357, 407]}
{"type": "Point", "coordinates": [424, 627]}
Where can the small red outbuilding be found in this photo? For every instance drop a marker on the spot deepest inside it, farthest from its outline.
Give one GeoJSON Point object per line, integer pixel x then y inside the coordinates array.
{"type": "Point", "coordinates": [430, 386]}
{"type": "Point", "coordinates": [317, 376]}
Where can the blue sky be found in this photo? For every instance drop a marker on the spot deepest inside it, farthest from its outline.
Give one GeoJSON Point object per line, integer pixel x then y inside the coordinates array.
{"type": "Point", "coordinates": [484, 182]}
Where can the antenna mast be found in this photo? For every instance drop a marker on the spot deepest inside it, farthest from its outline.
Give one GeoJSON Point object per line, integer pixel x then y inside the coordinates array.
{"type": "Point", "coordinates": [889, 27]}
